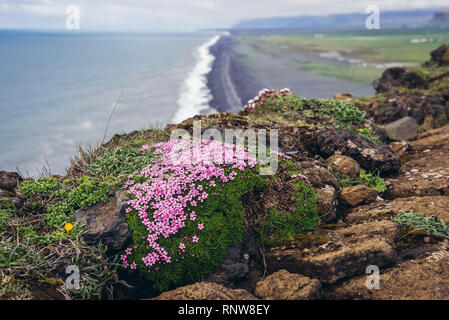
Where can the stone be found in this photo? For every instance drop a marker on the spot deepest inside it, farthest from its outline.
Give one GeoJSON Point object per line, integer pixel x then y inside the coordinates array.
{"type": "Point", "coordinates": [437, 206]}
{"type": "Point", "coordinates": [205, 291]}
{"type": "Point", "coordinates": [439, 56]}
{"type": "Point", "coordinates": [284, 285]}
{"type": "Point", "coordinates": [405, 128]}
{"type": "Point", "coordinates": [398, 77]}
{"type": "Point", "coordinates": [326, 187]}
{"type": "Point", "coordinates": [332, 262]}
{"type": "Point", "coordinates": [369, 155]}
{"type": "Point", "coordinates": [425, 278]}
{"type": "Point", "coordinates": [9, 180]}
{"type": "Point", "coordinates": [241, 267]}
{"type": "Point", "coordinates": [327, 202]}
{"type": "Point", "coordinates": [400, 147]}
{"type": "Point", "coordinates": [106, 222]}
{"type": "Point", "coordinates": [343, 166]}
{"type": "Point", "coordinates": [353, 196]}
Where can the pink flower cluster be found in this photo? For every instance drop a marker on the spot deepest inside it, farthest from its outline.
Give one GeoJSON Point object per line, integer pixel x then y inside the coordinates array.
{"type": "Point", "coordinates": [262, 97]}
{"type": "Point", "coordinates": [301, 177]}
{"type": "Point", "coordinates": [171, 189]}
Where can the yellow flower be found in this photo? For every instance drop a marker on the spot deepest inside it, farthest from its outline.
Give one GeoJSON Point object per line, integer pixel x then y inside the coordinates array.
{"type": "Point", "coordinates": [68, 227]}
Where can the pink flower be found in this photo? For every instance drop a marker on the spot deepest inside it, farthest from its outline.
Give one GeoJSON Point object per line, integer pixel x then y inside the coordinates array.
{"type": "Point", "coordinates": [145, 147]}
{"type": "Point", "coordinates": [200, 226]}
{"type": "Point", "coordinates": [182, 246]}
{"type": "Point", "coordinates": [195, 239]}
{"type": "Point", "coordinates": [133, 266]}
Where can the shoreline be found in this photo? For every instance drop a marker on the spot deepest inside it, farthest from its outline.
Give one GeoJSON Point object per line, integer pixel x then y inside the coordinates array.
{"type": "Point", "coordinates": [230, 82]}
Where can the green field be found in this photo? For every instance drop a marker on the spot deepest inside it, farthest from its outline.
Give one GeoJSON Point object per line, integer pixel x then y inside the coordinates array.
{"type": "Point", "coordinates": [373, 50]}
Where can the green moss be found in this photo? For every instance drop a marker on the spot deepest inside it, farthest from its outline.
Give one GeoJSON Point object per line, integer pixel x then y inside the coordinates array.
{"type": "Point", "coordinates": [223, 218]}
{"type": "Point", "coordinates": [62, 198]}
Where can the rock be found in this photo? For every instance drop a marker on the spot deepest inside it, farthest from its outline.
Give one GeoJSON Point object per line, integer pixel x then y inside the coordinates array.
{"type": "Point", "coordinates": [439, 56]}
{"type": "Point", "coordinates": [423, 185]}
{"type": "Point", "coordinates": [400, 147]}
{"type": "Point", "coordinates": [327, 202]}
{"type": "Point", "coordinates": [326, 187]}
{"type": "Point", "coordinates": [205, 291]}
{"type": "Point", "coordinates": [405, 128]}
{"type": "Point", "coordinates": [284, 285]}
{"type": "Point", "coordinates": [353, 196]}
{"type": "Point", "coordinates": [106, 222]}
{"type": "Point", "coordinates": [398, 77]}
{"type": "Point", "coordinates": [437, 206]}
{"type": "Point", "coordinates": [332, 262]}
{"type": "Point", "coordinates": [9, 180]}
{"type": "Point", "coordinates": [425, 278]}
{"type": "Point", "coordinates": [343, 166]}
{"type": "Point", "coordinates": [387, 229]}
{"type": "Point", "coordinates": [241, 268]}
{"type": "Point", "coordinates": [5, 194]}
{"type": "Point", "coordinates": [343, 96]}
{"type": "Point", "coordinates": [367, 154]}
{"type": "Point", "coordinates": [317, 174]}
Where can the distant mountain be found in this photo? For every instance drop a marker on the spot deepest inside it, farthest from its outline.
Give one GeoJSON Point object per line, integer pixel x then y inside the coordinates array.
{"type": "Point", "coordinates": [388, 19]}
{"type": "Point", "coordinates": [440, 19]}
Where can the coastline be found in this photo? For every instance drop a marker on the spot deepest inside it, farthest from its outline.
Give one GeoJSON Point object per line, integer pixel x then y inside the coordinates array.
{"type": "Point", "coordinates": [230, 82]}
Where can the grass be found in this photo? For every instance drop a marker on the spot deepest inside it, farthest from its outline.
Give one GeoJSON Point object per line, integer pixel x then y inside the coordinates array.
{"type": "Point", "coordinates": [353, 73]}
{"type": "Point", "coordinates": [373, 48]}
{"type": "Point", "coordinates": [416, 221]}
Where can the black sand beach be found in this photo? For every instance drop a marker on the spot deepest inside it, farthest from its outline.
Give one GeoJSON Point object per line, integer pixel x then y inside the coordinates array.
{"type": "Point", "coordinates": [240, 71]}
{"type": "Point", "coordinates": [230, 81]}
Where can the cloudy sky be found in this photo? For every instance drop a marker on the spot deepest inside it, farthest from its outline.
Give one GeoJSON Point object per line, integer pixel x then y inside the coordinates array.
{"type": "Point", "coordinates": [177, 15]}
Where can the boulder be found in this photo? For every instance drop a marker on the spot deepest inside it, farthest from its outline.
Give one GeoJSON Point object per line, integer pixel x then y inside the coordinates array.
{"type": "Point", "coordinates": [353, 196]}
{"type": "Point", "coordinates": [368, 154]}
{"type": "Point", "coordinates": [439, 56]}
{"type": "Point", "coordinates": [106, 222]}
{"type": "Point", "coordinates": [284, 285]}
{"type": "Point", "coordinates": [205, 291]}
{"type": "Point", "coordinates": [398, 77]}
{"type": "Point", "coordinates": [9, 180]}
{"type": "Point", "coordinates": [343, 166]}
{"type": "Point", "coordinates": [405, 128]}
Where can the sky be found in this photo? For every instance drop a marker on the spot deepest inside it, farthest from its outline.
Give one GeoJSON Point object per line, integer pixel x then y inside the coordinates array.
{"type": "Point", "coordinates": [177, 15]}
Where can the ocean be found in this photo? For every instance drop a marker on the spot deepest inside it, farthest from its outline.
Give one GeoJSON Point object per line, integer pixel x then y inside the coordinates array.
{"type": "Point", "coordinates": [57, 91]}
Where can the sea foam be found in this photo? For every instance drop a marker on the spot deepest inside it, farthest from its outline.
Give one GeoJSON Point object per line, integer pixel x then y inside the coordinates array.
{"type": "Point", "coordinates": [195, 94]}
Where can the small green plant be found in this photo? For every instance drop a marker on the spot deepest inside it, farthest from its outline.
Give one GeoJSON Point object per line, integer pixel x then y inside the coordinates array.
{"type": "Point", "coordinates": [88, 191]}
{"type": "Point", "coordinates": [285, 224]}
{"type": "Point", "coordinates": [373, 180]}
{"type": "Point", "coordinates": [416, 221]}
{"type": "Point", "coordinates": [369, 135]}
{"type": "Point", "coordinates": [345, 112]}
